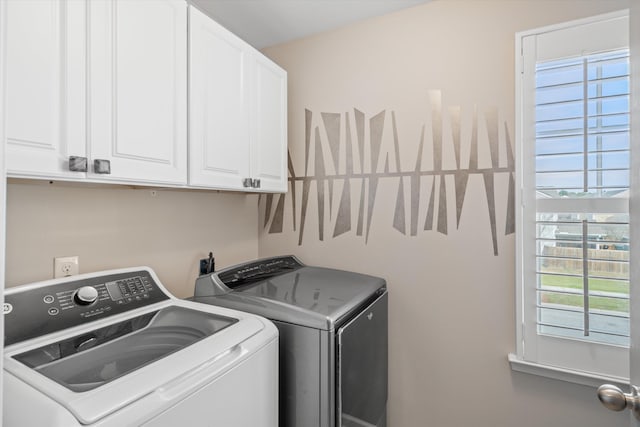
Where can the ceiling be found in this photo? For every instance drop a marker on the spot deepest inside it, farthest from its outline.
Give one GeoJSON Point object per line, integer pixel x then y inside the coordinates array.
{"type": "Point", "coordinates": [264, 23]}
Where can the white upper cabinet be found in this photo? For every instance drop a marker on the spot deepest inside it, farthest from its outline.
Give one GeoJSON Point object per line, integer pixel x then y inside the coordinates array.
{"type": "Point", "coordinates": [219, 134]}
{"type": "Point", "coordinates": [105, 83]}
{"type": "Point", "coordinates": [269, 126]}
{"type": "Point", "coordinates": [138, 89]}
{"type": "Point", "coordinates": [45, 86]}
{"type": "Point", "coordinates": [104, 80]}
{"type": "Point", "coordinates": [238, 112]}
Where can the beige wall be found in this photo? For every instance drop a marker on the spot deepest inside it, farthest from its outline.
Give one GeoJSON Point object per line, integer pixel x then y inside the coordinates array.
{"type": "Point", "coordinates": [115, 227]}
{"type": "Point", "coordinates": [451, 299]}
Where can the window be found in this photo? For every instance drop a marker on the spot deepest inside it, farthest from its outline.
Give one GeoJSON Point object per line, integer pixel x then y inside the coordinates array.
{"type": "Point", "coordinates": [573, 220]}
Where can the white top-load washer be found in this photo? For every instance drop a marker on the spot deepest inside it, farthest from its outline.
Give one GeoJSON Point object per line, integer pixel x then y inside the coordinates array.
{"type": "Point", "coordinates": [114, 348]}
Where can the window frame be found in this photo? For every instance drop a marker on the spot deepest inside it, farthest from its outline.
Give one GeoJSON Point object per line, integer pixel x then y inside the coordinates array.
{"type": "Point", "coordinates": [564, 358]}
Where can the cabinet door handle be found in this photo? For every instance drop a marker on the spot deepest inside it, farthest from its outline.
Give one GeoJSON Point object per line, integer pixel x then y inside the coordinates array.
{"type": "Point", "coordinates": [247, 182]}
{"type": "Point", "coordinates": [101, 166]}
{"type": "Point", "coordinates": [255, 183]}
{"type": "Point", "coordinates": [77, 164]}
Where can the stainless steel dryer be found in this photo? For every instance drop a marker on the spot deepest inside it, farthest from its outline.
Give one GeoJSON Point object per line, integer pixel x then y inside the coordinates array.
{"type": "Point", "coordinates": [333, 336]}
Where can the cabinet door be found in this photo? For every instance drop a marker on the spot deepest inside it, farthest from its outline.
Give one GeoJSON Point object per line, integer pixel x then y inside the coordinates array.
{"type": "Point", "coordinates": [269, 125]}
{"type": "Point", "coordinates": [138, 89]}
{"type": "Point", "coordinates": [219, 106]}
{"type": "Point", "coordinates": [45, 80]}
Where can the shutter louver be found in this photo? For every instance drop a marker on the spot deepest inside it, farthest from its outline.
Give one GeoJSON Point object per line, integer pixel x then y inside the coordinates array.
{"type": "Point", "coordinates": [582, 182]}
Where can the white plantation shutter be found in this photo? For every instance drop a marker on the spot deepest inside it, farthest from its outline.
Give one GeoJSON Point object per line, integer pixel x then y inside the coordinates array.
{"type": "Point", "coordinates": [573, 220]}
{"type": "Point", "coordinates": [582, 152]}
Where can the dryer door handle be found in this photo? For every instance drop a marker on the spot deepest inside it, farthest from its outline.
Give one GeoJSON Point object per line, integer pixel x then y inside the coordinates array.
{"type": "Point", "coordinates": [202, 374]}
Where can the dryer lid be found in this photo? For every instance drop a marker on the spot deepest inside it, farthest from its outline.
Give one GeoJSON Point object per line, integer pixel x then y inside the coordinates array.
{"type": "Point", "coordinates": [316, 297]}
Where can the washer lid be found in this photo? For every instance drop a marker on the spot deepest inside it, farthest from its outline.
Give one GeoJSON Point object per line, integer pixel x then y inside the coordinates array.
{"type": "Point", "coordinates": [310, 296]}
{"type": "Point", "coordinates": [89, 360]}
{"type": "Point", "coordinates": [98, 372]}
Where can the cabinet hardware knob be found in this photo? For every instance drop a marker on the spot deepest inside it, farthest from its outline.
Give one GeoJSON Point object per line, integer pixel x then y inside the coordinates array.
{"type": "Point", "coordinates": [255, 183]}
{"type": "Point", "coordinates": [101, 166]}
{"type": "Point", "coordinates": [247, 182]}
{"type": "Point", "coordinates": [77, 164]}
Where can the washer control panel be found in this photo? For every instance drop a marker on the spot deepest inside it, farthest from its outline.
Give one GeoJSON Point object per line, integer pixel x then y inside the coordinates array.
{"type": "Point", "coordinates": [43, 310]}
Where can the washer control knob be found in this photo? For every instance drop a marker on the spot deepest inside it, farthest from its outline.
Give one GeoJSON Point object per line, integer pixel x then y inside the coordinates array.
{"type": "Point", "coordinates": [86, 295]}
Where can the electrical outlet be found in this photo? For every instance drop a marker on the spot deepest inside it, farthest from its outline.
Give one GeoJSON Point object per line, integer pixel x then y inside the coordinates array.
{"type": "Point", "coordinates": [65, 266]}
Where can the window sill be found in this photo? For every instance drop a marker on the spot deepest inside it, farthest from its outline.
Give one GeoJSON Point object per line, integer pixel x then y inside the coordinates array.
{"type": "Point", "coordinates": [562, 374]}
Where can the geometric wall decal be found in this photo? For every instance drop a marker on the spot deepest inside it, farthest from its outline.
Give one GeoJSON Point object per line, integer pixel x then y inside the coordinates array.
{"type": "Point", "coordinates": [306, 183]}
{"type": "Point", "coordinates": [349, 146]}
{"type": "Point", "coordinates": [491, 202]}
{"type": "Point", "coordinates": [436, 127]}
{"type": "Point", "coordinates": [442, 206]}
{"type": "Point", "coordinates": [320, 174]}
{"type": "Point", "coordinates": [292, 174]}
{"type": "Point", "coordinates": [373, 189]}
{"type": "Point", "coordinates": [360, 227]}
{"type": "Point", "coordinates": [416, 181]}
{"type": "Point", "coordinates": [343, 222]}
{"type": "Point", "coordinates": [396, 140]}
{"type": "Point", "coordinates": [428, 222]}
{"type": "Point", "coordinates": [332, 127]}
{"type": "Point", "coordinates": [398, 218]}
{"type": "Point", "coordinates": [461, 176]}
{"type": "Point", "coordinates": [359, 118]}
{"type": "Point", "coordinates": [491, 117]}
{"type": "Point", "coordinates": [267, 210]}
{"type": "Point", "coordinates": [448, 147]}
{"type": "Point", "coordinates": [278, 216]}
{"type": "Point", "coordinates": [510, 226]}
{"type": "Point", "coordinates": [376, 126]}
{"type": "Point", "coordinates": [308, 115]}
{"type": "Point", "coordinates": [461, 179]}
{"type": "Point", "coordinates": [454, 118]}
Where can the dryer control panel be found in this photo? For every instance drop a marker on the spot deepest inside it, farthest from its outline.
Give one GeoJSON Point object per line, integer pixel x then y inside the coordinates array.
{"type": "Point", "coordinates": [258, 271]}
{"type": "Point", "coordinates": [41, 310]}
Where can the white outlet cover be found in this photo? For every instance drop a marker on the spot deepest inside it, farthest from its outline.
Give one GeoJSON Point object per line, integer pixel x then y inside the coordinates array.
{"type": "Point", "coordinates": [66, 266]}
